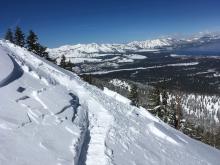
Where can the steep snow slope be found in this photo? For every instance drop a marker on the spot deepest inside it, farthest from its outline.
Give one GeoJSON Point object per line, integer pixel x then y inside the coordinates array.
{"type": "Point", "coordinates": [50, 116]}
{"type": "Point", "coordinates": [35, 129]}
{"type": "Point", "coordinates": [6, 67]}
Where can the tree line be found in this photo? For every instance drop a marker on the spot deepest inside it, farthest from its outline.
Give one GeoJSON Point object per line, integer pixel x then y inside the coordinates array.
{"type": "Point", "coordinates": [30, 42]}
{"type": "Point", "coordinates": [68, 65]}
{"type": "Point", "coordinates": [160, 104]}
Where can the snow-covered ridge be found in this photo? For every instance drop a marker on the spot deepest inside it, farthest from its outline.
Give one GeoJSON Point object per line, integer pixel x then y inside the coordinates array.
{"type": "Point", "coordinates": [87, 50]}
{"type": "Point", "coordinates": [51, 116]}
{"type": "Point", "coordinates": [6, 67]}
{"type": "Point", "coordinates": [152, 44]}
{"type": "Point", "coordinates": [94, 49]}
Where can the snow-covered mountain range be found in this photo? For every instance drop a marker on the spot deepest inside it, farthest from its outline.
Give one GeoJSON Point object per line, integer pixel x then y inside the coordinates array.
{"type": "Point", "coordinates": [50, 116]}
{"type": "Point", "coordinates": [94, 49]}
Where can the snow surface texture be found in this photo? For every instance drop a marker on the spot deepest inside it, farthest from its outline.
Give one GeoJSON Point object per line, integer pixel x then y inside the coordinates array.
{"type": "Point", "coordinates": [50, 116]}
{"type": "Point", "coordinates": [6, 67]}
{"type": "Point", "coordinates": [116, 96]}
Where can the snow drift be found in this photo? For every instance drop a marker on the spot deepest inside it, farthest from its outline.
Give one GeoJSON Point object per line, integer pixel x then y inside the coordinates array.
{"type": "Point", "coordinates": [51, 116]}
{"type": "Point", "coordinates": [6, 67]}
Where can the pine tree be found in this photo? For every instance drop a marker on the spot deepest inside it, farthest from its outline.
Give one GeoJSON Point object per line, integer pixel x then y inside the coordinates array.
{"type": "Point", "coordinates": [178, 112]}
{"type": "Point", "coordinates": [41, 51]}
{"type": "Point", "coordinates": [50, 59]}
{"type": "Point", "coordinates": [19, 37]}
{"type": "Point", "coordinates": [32, 42]}
{"type": "Point", "coordinates": [34, 46]}
{"type": "Point", "coordinates": [154, 97]}
{"type": "Point", "coordinates": [9, 36]}
{"type": "Point", "coordinates": [179, 123]}
{"type": "Point", "coordinates": [88, 78]}
{"type": "Point", "coordinates": [164, 97]}
{"type": "Point", "coordinates": [172, 113]}
{"type": "Point", "coordinates": [133, 95]}
{"type": "Point", "coordinates": [159, 105]}
{"type": "Point", "coordinates": [69, 66]}
{"type": "Point", "coordinates": [164, 110]}
{"type": "Point", "coordinates": [63, 61]}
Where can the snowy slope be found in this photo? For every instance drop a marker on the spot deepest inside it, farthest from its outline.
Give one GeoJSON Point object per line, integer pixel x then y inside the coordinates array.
{"type": "Point", "coordinates": [116, 96]}
{"type": "Point", "coordinates": [50, 116]}
{"type": "Point", "coordinates": [6, 67]}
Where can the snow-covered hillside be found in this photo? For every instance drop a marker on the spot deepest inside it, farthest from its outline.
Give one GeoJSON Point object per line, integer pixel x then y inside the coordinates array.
{"type": "Point", "coordinates": [6, 67]}
{"type": "Point", "coordinates": [50, 116]}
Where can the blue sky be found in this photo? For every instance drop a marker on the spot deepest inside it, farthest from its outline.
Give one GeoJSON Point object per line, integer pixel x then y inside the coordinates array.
{"type": "Point", "coordinates": [59, 22]}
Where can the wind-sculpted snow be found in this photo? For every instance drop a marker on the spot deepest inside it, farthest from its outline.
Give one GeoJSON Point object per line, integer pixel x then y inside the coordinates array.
{"type": "Point", "coordinates": [60, 119]}
{"type": "Point", "coordinates": [41, 124]}
{"type": "Point", "coordinates": [6, 67]}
